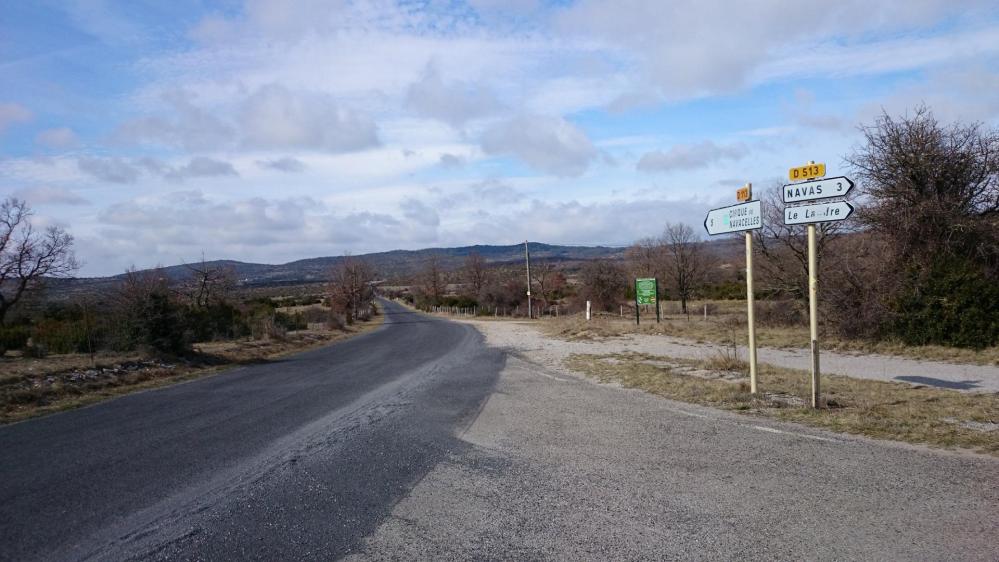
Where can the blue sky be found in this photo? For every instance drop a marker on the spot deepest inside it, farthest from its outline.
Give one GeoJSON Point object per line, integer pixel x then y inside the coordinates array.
{"type": "Point", "coordinates": [272, 130]}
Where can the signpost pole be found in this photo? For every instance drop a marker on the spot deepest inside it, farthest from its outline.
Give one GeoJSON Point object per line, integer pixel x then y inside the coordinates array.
{"type": "Point", "coordinates": [638, 315]}
{"type": "Point", "coordinates": [751, 312]}
{"type": "Point", "coordinates": [527, 261]}
{"type": "Point", "coordinates": [813, 311]}
{"type": "Point", "coordinates": [657, 302]}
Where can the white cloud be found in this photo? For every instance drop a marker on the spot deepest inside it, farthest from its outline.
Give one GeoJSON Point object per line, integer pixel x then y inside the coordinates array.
{"type": "Point", "coordinates": [11, 113]}
{"type": "Point", "coordinates": [285, 164]}
{"type": "Point", "coordinates": [112, 170]}
{"type": "Point", "coordinates": [449, 160]}
{"type": "Point", "coordinates": [48, 195]}
{"type": "Point", "coordinates": [453, 104]}
{"type": "Point", "coordinates": [185, 126]}
{"type": "Point", "coordinates": [275, 117]}
{"type": "Point", "coordinates": [690, 156]}
{"type": "Point", "coordinates": [549, 144]}
{"type": "Point", "coordinates": [200, 166]}
{"type": "Point", "coordinates": [61, 137]}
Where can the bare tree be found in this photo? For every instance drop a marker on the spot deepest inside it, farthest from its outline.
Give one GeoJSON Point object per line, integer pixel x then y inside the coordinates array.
{"type": "Point", "coordinates": [475, 275]}
{"type": "Point", "coordinates": [351, 290]}
{"type": "Point", "coordinates": [548, 278]}
{"type": "Point", "coordinates": [431, 281]}
{"type": "Point", "coordinates": [28, 256]}
{"type": "Point", "coordinates": [933, 190]}
{"type": "Point", "coordinates": [784, 248]}
{"type": "Point", "coordinates": [603, 283]}
{"type": "Point", "coordinates": [207, 284]}
{"type": "Point", "coordinates": [647, 258]}
{"type": "Point", "coordinates": [687, 262]}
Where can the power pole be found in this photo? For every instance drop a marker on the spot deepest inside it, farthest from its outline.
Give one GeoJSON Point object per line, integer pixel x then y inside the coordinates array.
{"type": "Point", "coordinates": [527, 260]}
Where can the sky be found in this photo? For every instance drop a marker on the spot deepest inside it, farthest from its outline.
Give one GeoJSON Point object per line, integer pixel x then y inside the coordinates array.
{"type": "Point", "coordinates": [159, 133]}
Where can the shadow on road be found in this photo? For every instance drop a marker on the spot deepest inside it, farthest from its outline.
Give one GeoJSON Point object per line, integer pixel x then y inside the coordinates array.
{"type": "Point", "coordinates": [940, 383]}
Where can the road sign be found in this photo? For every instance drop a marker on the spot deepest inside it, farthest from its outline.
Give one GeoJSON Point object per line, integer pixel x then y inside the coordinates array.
{"type": "Point", "coordinates": [744, 193]}
{"type": "Point", "coordinates": [816, 189]}
{"type": "Point", "coordinates": [645, 291]}
{"type": "Point", "coordinates": [818, 212]}
{"type": "Point", "coordinates": [744, 216]}
{"type": "Point", "coordinates": [807, 172]}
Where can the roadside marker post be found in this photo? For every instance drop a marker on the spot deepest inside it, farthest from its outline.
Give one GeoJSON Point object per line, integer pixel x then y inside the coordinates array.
{"type": "Point", "coordinates": [744, 217]}
{"type": "Point", "coordinates": [809, 214]}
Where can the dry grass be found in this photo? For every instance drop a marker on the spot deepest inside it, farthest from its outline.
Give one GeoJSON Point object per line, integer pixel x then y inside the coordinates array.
{"type": "Point", "coordinates": [33, 387]}
{"type": "Point", "coordinates": [729, 325]}
{"type": "Point", "coordinates": [884, 410]}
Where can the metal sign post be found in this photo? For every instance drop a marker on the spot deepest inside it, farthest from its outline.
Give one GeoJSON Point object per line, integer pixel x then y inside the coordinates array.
{"type": "Point", "coordinates": [745, 217]}
{"type": "Point", "coordinates": [810, 214]}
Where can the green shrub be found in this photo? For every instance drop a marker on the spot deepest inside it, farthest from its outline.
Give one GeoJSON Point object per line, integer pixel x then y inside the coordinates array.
{"type": "Point", "coordinates": [952, 302]}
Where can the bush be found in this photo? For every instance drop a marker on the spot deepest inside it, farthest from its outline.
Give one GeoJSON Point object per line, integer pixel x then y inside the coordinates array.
{"type": "Point", "coordinates": [13, 337]}
{"type": "Point", "coordinates": [950, 303]}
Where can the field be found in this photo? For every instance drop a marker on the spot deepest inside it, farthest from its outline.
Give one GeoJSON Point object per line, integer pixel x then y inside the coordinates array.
{"type": "Point", "coordinates": [726, 324]}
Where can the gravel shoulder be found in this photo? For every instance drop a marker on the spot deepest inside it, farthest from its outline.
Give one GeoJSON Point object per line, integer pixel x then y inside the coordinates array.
{"type": "Point", "coordinates": [523, 337]}
{"type": "Point", "coordinates": [560, 468]}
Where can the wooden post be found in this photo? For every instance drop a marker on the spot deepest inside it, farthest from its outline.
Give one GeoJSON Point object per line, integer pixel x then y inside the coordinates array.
{"type": "Point", "coordinates": [750, 308]}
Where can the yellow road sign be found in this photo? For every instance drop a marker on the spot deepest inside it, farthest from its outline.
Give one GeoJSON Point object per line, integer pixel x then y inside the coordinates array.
{"type": "Point", "coordinates": [807, 172]}
{"type": "Point", "coordinates": [744, 193]}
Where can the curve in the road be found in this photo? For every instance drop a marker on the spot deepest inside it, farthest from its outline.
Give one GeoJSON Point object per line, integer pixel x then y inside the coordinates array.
{"type": "Point", "coordinates": [296, 458]}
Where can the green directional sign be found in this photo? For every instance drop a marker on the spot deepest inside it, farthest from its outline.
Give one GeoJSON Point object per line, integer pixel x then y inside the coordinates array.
{"type": "Point", "coordinates": [645, 291]}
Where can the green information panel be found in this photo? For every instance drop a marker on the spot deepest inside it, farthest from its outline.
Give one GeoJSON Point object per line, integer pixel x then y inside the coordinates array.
{"type": "Point", "coordinates": [645, 291]}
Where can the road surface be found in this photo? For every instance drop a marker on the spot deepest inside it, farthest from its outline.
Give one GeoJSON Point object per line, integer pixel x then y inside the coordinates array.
{"type": "Point", "coordinates": [418, 441]}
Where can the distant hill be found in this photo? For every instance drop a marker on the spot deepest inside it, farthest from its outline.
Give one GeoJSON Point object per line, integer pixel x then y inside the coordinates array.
{"type": "Point", "coordinates": [393, 264]}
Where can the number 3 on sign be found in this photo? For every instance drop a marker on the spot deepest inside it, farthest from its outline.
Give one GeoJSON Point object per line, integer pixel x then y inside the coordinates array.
{"type": "Point", "coordinates": [807, 172]}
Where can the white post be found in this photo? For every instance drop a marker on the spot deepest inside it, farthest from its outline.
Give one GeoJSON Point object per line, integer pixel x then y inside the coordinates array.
{"type": "Point", "coordinates": [705, 312]}
{"type": "Point", "coordinates": [813, 311]}
{"type": "Point", "coordinates": [587, 311]}
{"type": "Point", "coordinates": [750, 312]}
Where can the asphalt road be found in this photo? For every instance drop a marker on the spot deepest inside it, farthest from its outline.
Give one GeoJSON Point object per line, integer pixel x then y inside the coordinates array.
{"type": "Point", "coordinates": [418, 441]}
{"type": "Point", "coordinates": [298, 459]}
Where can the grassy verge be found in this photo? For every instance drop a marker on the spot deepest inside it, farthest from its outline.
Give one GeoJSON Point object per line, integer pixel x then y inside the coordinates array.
{"type": "Point", "coordinates": [884, 410]}
{"type": "Point", "coordinates": [732, 328]}
{"type": "Point", "coordinates": [34, 387]}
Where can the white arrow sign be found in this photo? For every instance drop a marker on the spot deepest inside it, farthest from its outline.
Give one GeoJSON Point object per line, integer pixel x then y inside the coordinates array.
{"type": "Point", "coordinates": [819, 212]}
{"type": "Point", "coordinates": [745, 216]}
{"type": "Point", "coordinates": [816, 189]}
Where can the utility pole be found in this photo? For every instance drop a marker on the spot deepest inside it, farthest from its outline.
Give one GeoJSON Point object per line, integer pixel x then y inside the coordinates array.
{"type": "Point", "coordinates": [527, 260]}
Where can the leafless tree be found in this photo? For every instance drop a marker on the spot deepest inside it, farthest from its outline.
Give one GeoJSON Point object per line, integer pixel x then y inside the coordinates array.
{"type": "Point", "coordinates": [603, 283]}
{"type": "Point", "coordinates": [687, 263]}
{"type": "Point", "coordinates": [208, 284]}
{"type": "Point", "coordinates": [647, 258]}
{"type": "Point", "coordinates": [475, 275]}
{"type": "Point", "coordinates": [432, 281]}
{"type": "Point", "coordinates": [28, 256]}
{"type": "Point", "coordinates": [784, 249]}
{"type": "Point", "coordinates": [351, 290]}
{"type": "Point", "coordinates": [931, 190]}
{"type": "Point", "coordinates": [549, 280]}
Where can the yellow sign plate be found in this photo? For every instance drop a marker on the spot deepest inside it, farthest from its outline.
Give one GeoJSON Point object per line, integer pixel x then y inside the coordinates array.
{"type": "Point", "coordinates": [744, 193]}
{"type": "Point", "coordinates": [807, 172]}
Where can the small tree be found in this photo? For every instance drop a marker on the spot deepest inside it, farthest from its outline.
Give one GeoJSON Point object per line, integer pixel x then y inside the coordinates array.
{"type": "Point", "coordinates": [28, 256]}
{"type": "Point", "coordinates": [351, 289]}
{"type": "Point", "coordinates": [784, 249]}
{"type": "Point", "coordinates": [431, 281]}
{"type": "Point", "coordinates": [474, 273]}
{"type": "Point", "coordinates": [686, 264]}
{"type": "Point", "coordinates": [603, 284]}
{"type": "Point", "coordinates": [549, 280]}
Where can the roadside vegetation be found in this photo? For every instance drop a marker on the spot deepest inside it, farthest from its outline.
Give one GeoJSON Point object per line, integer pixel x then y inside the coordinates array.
{"type": "Point", "coordinates": [915, 272]}
{"type": "Point", "coordinates": [883, 410]}
{"type": "Point", "coordinates": [149, 329]}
